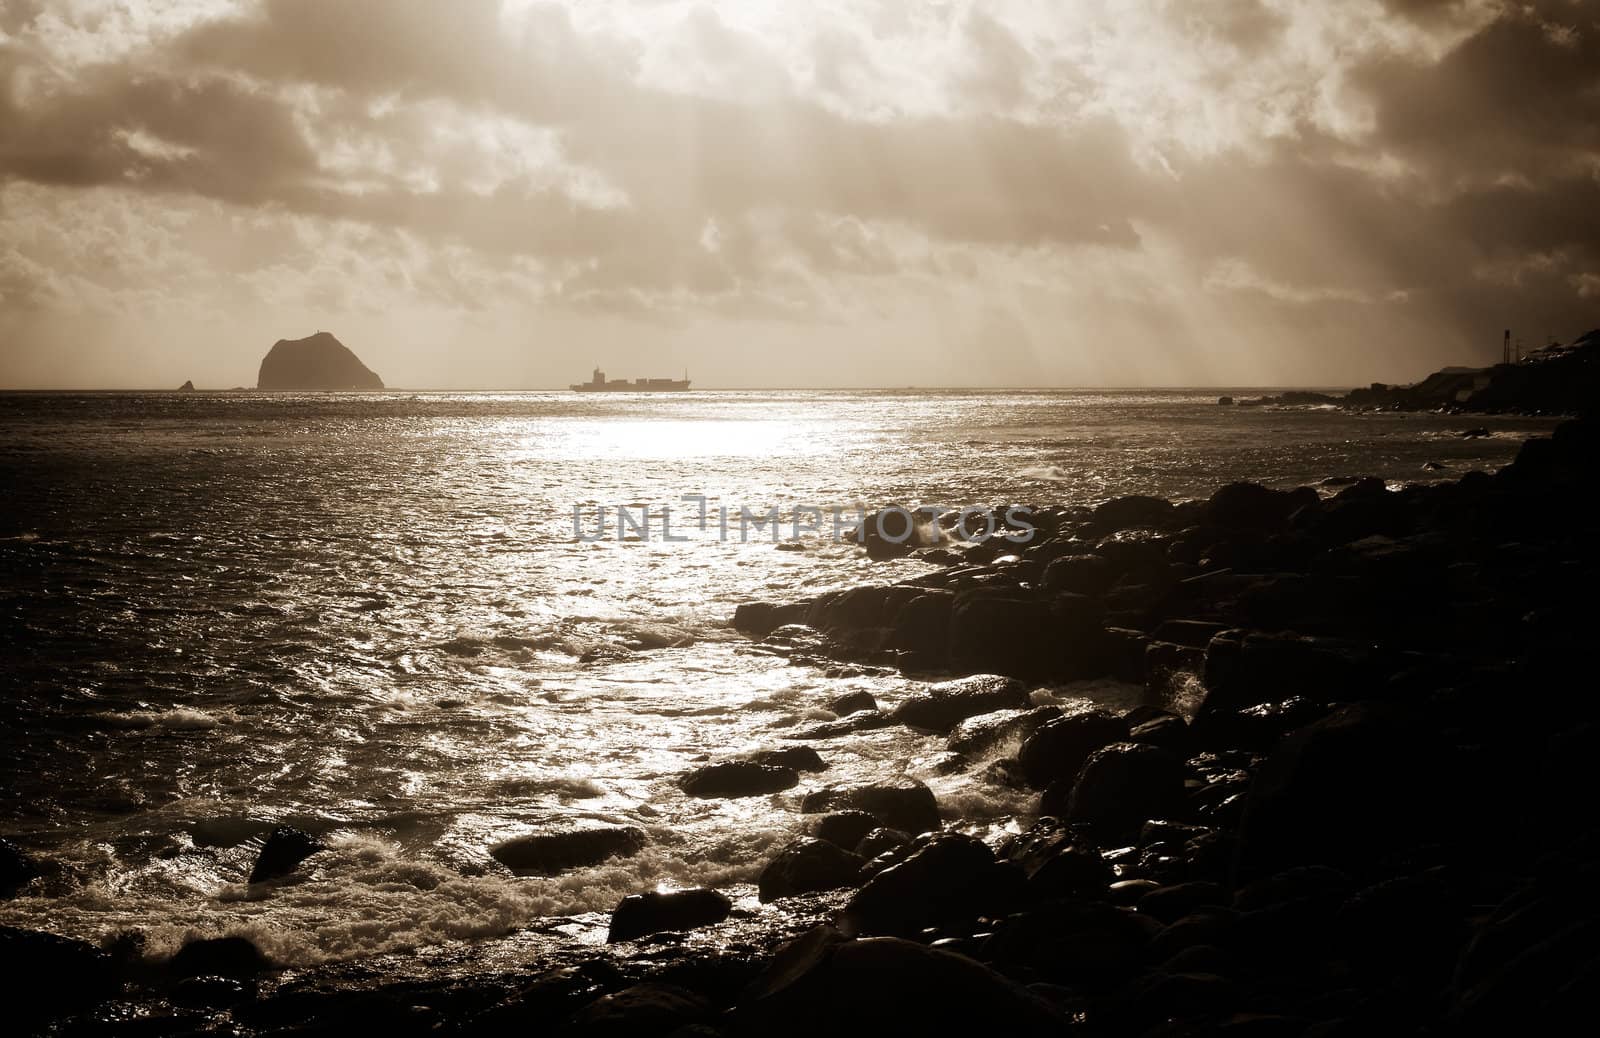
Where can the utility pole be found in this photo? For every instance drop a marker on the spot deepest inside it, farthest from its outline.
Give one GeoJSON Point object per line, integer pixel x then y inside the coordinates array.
{"type": "Point", "coordinates": [1505, 349]}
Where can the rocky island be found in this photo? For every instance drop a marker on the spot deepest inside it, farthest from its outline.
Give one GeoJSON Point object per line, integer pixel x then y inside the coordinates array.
{"type": "Point", "coordinates": [317, 363]}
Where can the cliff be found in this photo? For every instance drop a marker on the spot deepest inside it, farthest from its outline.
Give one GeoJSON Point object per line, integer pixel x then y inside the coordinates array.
{"type": "Point", "coordinates": [317, 363]}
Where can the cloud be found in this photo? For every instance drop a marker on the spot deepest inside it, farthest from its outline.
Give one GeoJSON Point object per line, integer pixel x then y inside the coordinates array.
{"type": "Point", "coordinates": [1241, 160]}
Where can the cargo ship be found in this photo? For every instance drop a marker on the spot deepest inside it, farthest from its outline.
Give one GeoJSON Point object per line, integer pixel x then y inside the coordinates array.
{"type": "Point", "coordinates": [599, 384]}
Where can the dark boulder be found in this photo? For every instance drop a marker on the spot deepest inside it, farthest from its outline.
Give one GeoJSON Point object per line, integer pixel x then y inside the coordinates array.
{"type": "Point", "coordinates": [805, 866]}
{"type": "Point", "coordinates": [820, 984]}
{"type": "Point", "coordinates": [286, 848]}
{"type": "Point", "coordinates": [921, 627]}
{"type": "Point", "coordinates": [1251, 506]}
{"type": "Point", "coordinates": [860, 721]}
{"type": "Point", "coordinates": [43, 975]}
{"type": "Point", "coordinates": [945, 705]}
{"type": "Point", "coordinates": [1132, 512]}
{"type": "Point", "coordinates": [738, 778]}
{"type": "Point", "coordinates": [1074, 942]}
{"type": "Point", "coordinates": [907, 806]}
{"type": "Point", "coordinates": [851, 702]}
{"type": "Point", "coordinates": [218, 957]}
{"type": "Point", "coordinates": [317, 363]}
{"type": "Point", "coordinates": [17, 870]}
{"type": "Point", "coordinates": [642, 1011]}
{"type": "Point", "coordinates": [1059, 637]}
{"type": "Point", "coordinates": [1059, 748]}
{"type": "Point", "coordinates": [845, 828]}
{"type": "Point", "coordinates": [1055, 865]}
{"type": "Point", "coordinates": [639, 915]}
{"type": "Point", "coordinates": [545, 854]}
{"type": "Point", "coordinates": [986, 732]}
{"type": "Point", "coordinates": [1352, 789]}
{"type": "Point", "coordinates": [1246, 669]}
{"type": "Point", "coordinates": [759, 619]}
{"type": "Point", "coordinates": [1081, 575]}
{"type": "Point", "coordinates": [882, 841]}
{"type": "Point", "coordinates": [948, 878]}
{"type": "Point", "coordinates": [1120, 787]}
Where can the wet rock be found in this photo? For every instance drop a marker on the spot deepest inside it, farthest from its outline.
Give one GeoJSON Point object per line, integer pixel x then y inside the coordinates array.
{"type": "Point", "coordinates": [1168, 733]}
{"type": "Point", "coordinates": [639, 915]}
{"type": "Point", "coordinates": [1120, 787]}
{"type": "Point", "coordinates": [1055, 865]}
{"type": "Point", "coordinates": [548, 853]}
{"type": "Point", "coordinates": [945, 705]}
{"type": "Point", "coordinates": [738, 778]}
{"type": "Point", "coordinates": [882, 841]}
{"type": "Point", "coordinates": [851, 702]}
{"type": "Point", "coordinates": [845, 828]}
{"type": "Point", "coordinates": [1059, 748]}
{"type": "Point", "coordinates": [1245, 669]}
{"type": "Point", "coordinates": [44, 975]}
{"type": "Point", "coordinates": [948, 878]}
{"type": "Point", "coordinates": [985, 732]}
{"type": "Point", "coordinates": [17, 870]}
{"type": "Point", "coordinates": [907, 806]}
{"type": "Point", "coordinates": [860, 721]}
{"type": "Point", "coordinates": [759, 619]}
{"type": "Point", "coordinates": [642, 1011]}
{"type": "Point", "coordinates": [798, 758]}
{"type": "Point", "coordinates": [807, 865]}
{"type": "Point", "coordinates": [218, 957]}
{"type": "Point", "coordinates": [884, 985]}
{"type": "Point", "coordinates": [286, 848]}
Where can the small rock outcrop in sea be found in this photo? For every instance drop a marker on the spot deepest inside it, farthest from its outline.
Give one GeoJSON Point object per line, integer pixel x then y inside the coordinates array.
{"type": "Point", "coordinates": [639, 915]}
{"type": "Point", "coordinates": [187, 387]}
{"type": "Point", "coordinates": [738, 778]}
{"type": "Point", "coordinates": [545, 854]}
{"type": "Point", "coordinates": [317, 363]}
{"type": "Point", "coordinates": [286, 847]}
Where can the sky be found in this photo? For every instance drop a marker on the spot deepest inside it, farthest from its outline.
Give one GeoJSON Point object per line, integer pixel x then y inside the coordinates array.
{"type": "Point", "coordinates": [502, 195]}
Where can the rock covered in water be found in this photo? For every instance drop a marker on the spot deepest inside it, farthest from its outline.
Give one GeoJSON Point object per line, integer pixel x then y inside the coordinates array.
{"type": "Point", "coordinates": [941, 707]}
{"type": "Point", "coordinates": [799, 758]}
{"type": "Point", "coordinates": [639, 915]}
{"type": "Point", "coordinates": [985, 732]}
{"type": "Point", "coordinates": [806, 865]}
{"type": "Point", "coordinates": [908, 806]}
{"type": "Point", "coordinates": [317, 363]}
{"type": "Point", "coordinates": [738, 778]}
{"type": "Point", "coordinates": [643, 1010]}
{"type": "Point", "coordinates": [286, 847]}
{"type": "Point", "coordinates": [548, 853]}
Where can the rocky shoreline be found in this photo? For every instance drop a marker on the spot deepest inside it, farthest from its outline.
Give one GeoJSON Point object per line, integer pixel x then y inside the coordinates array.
{"type": "Point", "coordinates": [1354, 800]}
{"type": "Point", "coordinates": [1556, 380]}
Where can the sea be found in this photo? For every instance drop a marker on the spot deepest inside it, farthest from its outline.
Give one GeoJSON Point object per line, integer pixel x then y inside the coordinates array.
{"type": "Point", "coordinates": [396, 620]}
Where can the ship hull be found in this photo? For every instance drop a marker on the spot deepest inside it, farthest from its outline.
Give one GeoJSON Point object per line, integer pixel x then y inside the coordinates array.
{"type": "Point", "coordinates": [583, 387]}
